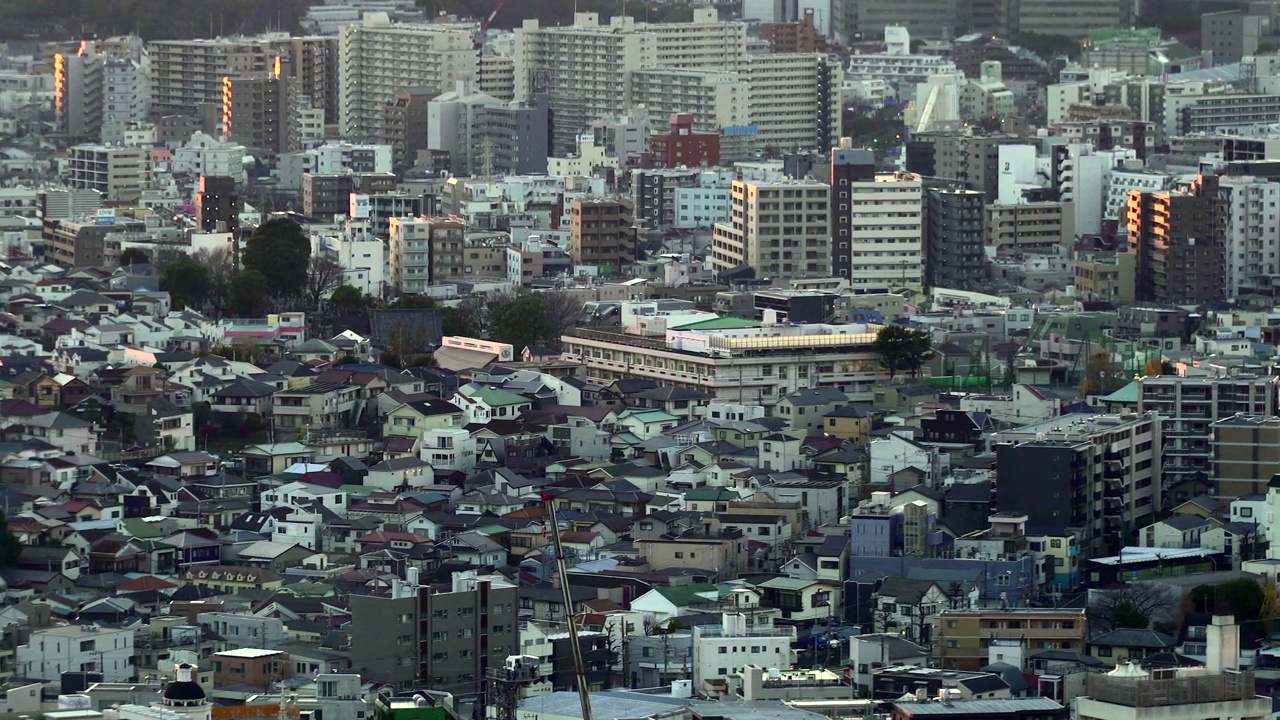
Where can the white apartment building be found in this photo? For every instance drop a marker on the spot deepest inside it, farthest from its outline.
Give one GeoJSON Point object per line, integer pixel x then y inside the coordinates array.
{"type": "Point", "coordinates": [363, 259]}
{"type": "Point", "coordinates": [334, 158]}
{"type": "Point", "coordinates": [758, 365]}
{"type": "Point", "coordinates": [886, 236]}
{"type": "Point", "coordinates": [782, 229]}
{"type": "Point", "coordinates": [118, 173]}
{"type": "Point", "coordinates": [897, 66]}
{"type": "Point", "coordinates": [75, 648]}
{"type": "Point", "coordinates": [497, 77]}
{"type": "Point", "coordinates": [206, 155]}
{"type": "Point", "coordinates": [410, 254]}
{"type": "Point", "coordinates": [453, 125]}
{"type": "Point", "coordinates": [719, 651]}
{"type": "Point", "coordinates": [716, 98]}
{"type": "Point", "coordinates": [1253, 220]}
{"type": "Point", "coordinates": [700, 207]}
{"type": "Point", "coordinates": [1085, 175]}
{"type": "Point", "coordinates": [125, 97]}
{"type": "Point", "coordinates": [581, 68]}
{"type": "Point", "coordinates": [794, 100]}
{"type": "Point", "coordinates": [1124, 180]}
{"type": "Point", "coordinates": [704, 42]}
{"type": "Point", "coordinates": [377, 58]}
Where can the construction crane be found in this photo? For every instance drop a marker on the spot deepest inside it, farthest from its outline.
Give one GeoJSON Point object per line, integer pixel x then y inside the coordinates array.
{"type": "Point", "coordinates": [579, 667]}
{"type": "Point", "coordinates": [489, 21]}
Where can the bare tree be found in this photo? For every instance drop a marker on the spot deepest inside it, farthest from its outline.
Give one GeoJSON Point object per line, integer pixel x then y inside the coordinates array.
{"type": "Point", "coordinates": [220, 266]}
{"type": "Point", "coordinates": [564, 311]}
{"type": "Point", "coordinates": [1131, 604]}
{"type": "Point", "coordinates": [323, 276]}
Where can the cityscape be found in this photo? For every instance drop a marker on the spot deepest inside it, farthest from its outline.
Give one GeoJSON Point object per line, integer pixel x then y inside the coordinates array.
{"type": "Point", "coordinates": [640, 360]}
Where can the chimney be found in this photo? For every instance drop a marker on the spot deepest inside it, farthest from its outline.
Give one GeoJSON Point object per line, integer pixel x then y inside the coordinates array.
{"type": "Point", "coordinates": [1222, 637]}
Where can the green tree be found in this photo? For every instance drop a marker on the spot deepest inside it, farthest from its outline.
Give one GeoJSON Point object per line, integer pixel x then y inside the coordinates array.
{"type": "Point", "coordinates": [1243, 597]}
{"type": "Point", "coordinates": [248, 294]}
{"type": "Point", "coordinates": [281, 252]}
{"type": "Point", "coordinates": [521, 322]}
{"type": "Point", "coordinates": [134, 256]}
{"type": "Point", "coordinates": [458, 322]}
{"type": "Point", "coordinates": [10, 548]}
{"type": "Point", "coordinates": [414, 301]}
{"type": "Point", "coordinates": [186, 281]}
{"type": "Point", "coordinates": [902, 349]}
{"type": "Point", "coordinates": [347, 297]}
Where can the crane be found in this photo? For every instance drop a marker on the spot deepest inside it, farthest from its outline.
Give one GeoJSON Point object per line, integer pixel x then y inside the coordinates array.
{"type": "Point", "coordinates": [489, 21]}
{"type": "Point", "coordinates": [579, 667]}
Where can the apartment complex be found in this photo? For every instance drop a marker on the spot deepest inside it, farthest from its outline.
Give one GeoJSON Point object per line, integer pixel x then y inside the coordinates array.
{"type": "Point", "coordinates": [1246, 453]}
{"type": "Point", "coordinates": [778, 228]}
{"type": "Point", "coordinates": [602, 233]}
{"type": "Point", "coordinates": [1190, 406]}
{"type": "Point", "coordinates": [954, 254]}
{"type": "Point", "coordinates": [1034, 227]}
{"type": "Point", "coordinates": [966, 639]}
{"type": "Point", "coordinates": [259, 111]}
{"type": "Point", "coordinates": [187, 74]}
{"type": "Point", "coordinates": [84, 244]}
{"type": "Point", "coordinates": [116, 172]}
{"type": "Point", "coordinates": [96, 95]}
{"type": "Point", "coordinates": [751, 363]}
{"type": "Point", "coordinates": [444, 637]}
{"type": "Point", "coordinates": [1180, 240]}
{"type": "Point", "coordinates": [793, 100]}
{"type": "Point", "coordinates": [876, 225]}
{"type": "Point", "coordinates": [312, 68]}
{"type": "Point", "coordinates": [378, 58]}
{"type": "Point", "coordinates": [1252, 207]}
{"type": "Point", "coordinates": [1098, 476]}
{"type": "Point", "coordinates": [425, 251]}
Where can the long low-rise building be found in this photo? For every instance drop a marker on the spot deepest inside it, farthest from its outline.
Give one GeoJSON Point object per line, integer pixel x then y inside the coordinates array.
{"type": "Point", "coordinates": [738, 360]}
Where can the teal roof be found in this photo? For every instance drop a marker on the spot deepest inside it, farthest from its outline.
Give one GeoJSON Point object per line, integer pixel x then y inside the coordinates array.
{"type": "Point", "coordinates": [645, 415]}
{"type": "Point", "coordinates": [720, 323]}
{"type": "Point", "coordinates": [1126, 394]}
{"type": "Point", "coordinates": [684, 595]}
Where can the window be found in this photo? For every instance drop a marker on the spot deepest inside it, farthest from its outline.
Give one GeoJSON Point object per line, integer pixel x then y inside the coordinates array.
{"type": "Point", "coordinates": [724, 650]}
{"type": "Point", "coordinates": [1246, 512]}
{"type": "Point", "coordinates": [1104, 652]}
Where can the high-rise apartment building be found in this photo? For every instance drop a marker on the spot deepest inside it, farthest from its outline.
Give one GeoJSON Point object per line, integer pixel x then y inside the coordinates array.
{"type": "Point", "coordinates": [683, 146]}
{"type": "Point", "coordinates": [1253, 234]}
{"type": "Point", "coordinates": [1180, 240]}
{"type": "Point", "coordinates": [1067, 18]}
{"type": "Point", "coordinates": [444, 638]}
{"type": "Point", "coordinates": [1096, 475]}
{"type": "Point", "coordinates": [329, 195]}
{"type": "Point", "coordinates": [1032, 227]}
{"type": "Point", "coordinates": [602, 233]}
{"type": "Point", "coordinates": [187, 74]}
{"type": "Point", "coordinates": [955, 252]}
{"type": "Point", "coordinates": [378, 58]}
{"type": "Point", "coordinates": [218, 208]}
{"type": "Point", "coordinates": [581, 68]}
{"type": "Point", "coordinates": [312, 67]}
{"type": "Point", "coordinates": [794, 100]}
{"type": "Point", "coordinates": [118, 173]}
{"type": "Point", "coordinates": [486, 136]}
{"type": "Point", "coordinates": [876, 224]}
{"type": "Point", "coordinates": [1189, 406]}
{"type": "Point", "coordinates": [260, 111]}
{"type": "Point", "coordinates": [1246, 454]}
{"type": "Point", "coordinates": [781, 229]}
{"type": "Point", "coordinates": [405, 123]}
{"type": "Point", "coordinates": [97, 94]}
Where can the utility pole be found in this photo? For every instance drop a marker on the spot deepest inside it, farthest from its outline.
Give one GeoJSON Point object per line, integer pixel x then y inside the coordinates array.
{"type": "Point", "coordinates": [579, 667]}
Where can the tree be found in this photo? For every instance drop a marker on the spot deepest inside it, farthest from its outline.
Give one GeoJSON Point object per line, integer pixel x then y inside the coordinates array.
{"type": "Point", "coordinates": [347, 297]}
{"type": "Point", "coordinates": [247, 294]}
{"type": "Point", "coordinates": [1242, 597]}
{"type": "Point", "coordinates": [563, 311]}
{"type": "Point", "coordinates": [186, 281]}
{"type": "Point", "coordinates": [413, 301]}
{"type": "Point", "coordinates": [10, 547]}
{"type": "Point", "coordinates": [902, 349]}
{"type": "Point", "coordinates": [458, 322]}
{"type": "Point", "coordinates": [404, 340]}
{"type": "Point", "coordinates": [521, 322]}
{"type": "Point", "coordinates": [1131, 603]}
{"type": "Point", "coordinates": [133, 256]}
{"type": "Point", "coordinates": [422, 360]}
{"type": "Point", "coordinates": [1101, 374]}
{"type": "Point", "coordinates": [221, 267]}
{"type": "Point", "coordinates": [323, 277]}
{"type": "Point", "coordinates": [280, 251]}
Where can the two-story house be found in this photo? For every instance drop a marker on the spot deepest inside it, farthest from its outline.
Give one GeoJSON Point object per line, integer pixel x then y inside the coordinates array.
{"type": "Point", "coordinates": [318, 405]}
{"type": "Point", "coordinates": [482, 403]}
{"type": "Point", "coordinates": [413, 418]}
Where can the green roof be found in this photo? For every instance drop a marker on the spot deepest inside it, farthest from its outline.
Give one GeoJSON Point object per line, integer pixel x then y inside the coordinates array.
{"type": "Point", "coordinates": [494, 397]}
{"type": "Point", "coordinates": [141, 529]}
{"type": "Point", "coordinates": [720, 323]}
{"type": "Point", "coordinates": [684, 595]}
{"type": "Point", "coordinates": [1126, 394]}
{"type": "Point", "coordinates": [645, 415]}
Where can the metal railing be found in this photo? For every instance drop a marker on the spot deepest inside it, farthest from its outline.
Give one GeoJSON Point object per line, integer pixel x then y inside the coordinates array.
{"type": "Point", "coordinates": [1171, 691]}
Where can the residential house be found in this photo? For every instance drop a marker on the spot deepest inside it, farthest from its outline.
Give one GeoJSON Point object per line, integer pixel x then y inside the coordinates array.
{"type": "Point", "coordinates": [185, 464]}
{"type": "Point", "coordinates": [166, 425]}
{"type": "Point", "coordinates": [243, 397]}
{"type": "Point", "coordinates": [481, 403]}
{"type": "Point", "coordinates": [805, 409]}
{"type": "Point", "coordinates": [853, 422]}
{"type": "Point", "coordinates": [400, 473]}
{"type": "Point", "coordinates": [681, 402]}
{"type": "Point", "coordinates": [910, 607]}
{"type": "Point", "coordinates": [272, 458]}
{"type": "Point", "coordinates": [413, 418]}
{"type": "Point", "coordinates": [318, 405]}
